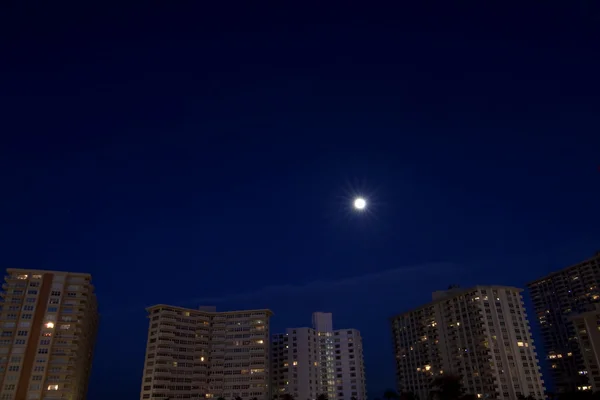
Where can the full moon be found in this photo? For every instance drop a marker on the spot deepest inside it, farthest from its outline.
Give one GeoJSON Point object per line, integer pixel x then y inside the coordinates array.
{"type": "Point", "coordinates": [360, 203]}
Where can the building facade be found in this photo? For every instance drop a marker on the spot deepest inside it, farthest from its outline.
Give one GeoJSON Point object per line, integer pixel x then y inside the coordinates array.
{"type": "Point", "coordinates": [193, 353]}
{"type": "Point", "coordinates": [480, 334]}
{"type": "Point", "coordinates": [558, 299]}
{"type": "Point", "coordinates": [306, 362]}
{"type": "Point", "coordinates": [49, 322]}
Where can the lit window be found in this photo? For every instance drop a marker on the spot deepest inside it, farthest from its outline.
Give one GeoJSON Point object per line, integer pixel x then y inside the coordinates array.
{"type": "Point", "coordinates": [49, 325]}
{"type": "Point", "coordinates": [36, 277]}
{"type": "Point", "coordinates": [201, 358]}
{"type": "Point", "coordinates": [295, 363]}
{"type": "Point", "coordinates": [520, 344]}
{"type": "Point", "coordinates": [52, 387]}
{"type": "Point", "coordinates": [427, 367]}
{"type": "Point", "coordinates": [65, 326]}
{"type": "Point", "coordinates": [21, 276]}
{"type": "Point", "coordinates": [260, 341]}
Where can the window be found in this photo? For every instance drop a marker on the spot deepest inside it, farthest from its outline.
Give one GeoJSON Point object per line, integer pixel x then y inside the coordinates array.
{"type": "Point", "coordinates": [52, 387]}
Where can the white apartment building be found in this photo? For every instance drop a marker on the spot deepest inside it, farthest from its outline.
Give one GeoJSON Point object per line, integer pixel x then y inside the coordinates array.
{"type": "Point", "coordinates": [306, 362]}
{"type": "Point", "coordinates": [49, 321]}
{"type": "Point", "coordinates": [481, 334]}
{"type": "Point", "coordinates": [204, 353]}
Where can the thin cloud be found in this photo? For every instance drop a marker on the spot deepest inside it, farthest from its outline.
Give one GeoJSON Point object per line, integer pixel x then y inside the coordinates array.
{"type": "Point", "coordinates": [388, 276]}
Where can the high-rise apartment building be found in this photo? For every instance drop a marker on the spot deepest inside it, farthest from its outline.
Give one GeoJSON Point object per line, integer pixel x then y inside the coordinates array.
{"type": "Point", "coordinates": [481, 334]}
{"type": "Point", "coordinates": [49, 321]}
{"type": "Point", "coordinates": [204, 353]}
{"type": "Point", "coordinates": [559, 299]}
{"type": "Point", "coordinates": [306, 362]}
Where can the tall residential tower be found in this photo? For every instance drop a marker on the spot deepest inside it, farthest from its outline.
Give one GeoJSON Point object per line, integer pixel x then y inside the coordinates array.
{"type": "Point", "coordinates": [203, 353]}
{"type": "Point", "coordinates": [307, 362]}
{"type": "Point", "coordinates": [481, 334]}
{"type": "Point", "coordinates": [565, 304]}
{"type": "Point", "coordinates": [49, 321]}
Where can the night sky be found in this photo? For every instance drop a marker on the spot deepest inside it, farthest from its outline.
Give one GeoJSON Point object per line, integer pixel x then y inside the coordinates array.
{"type": "Point", "coordinates": [190, 155]}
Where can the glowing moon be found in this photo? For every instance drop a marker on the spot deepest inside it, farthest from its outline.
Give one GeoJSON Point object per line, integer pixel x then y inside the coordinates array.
{"type": "Point", "coordinates": [360, 203]}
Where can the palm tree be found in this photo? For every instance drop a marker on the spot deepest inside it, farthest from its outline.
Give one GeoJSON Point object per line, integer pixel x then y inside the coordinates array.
{"type": "Point", "coordinates": [408, 396]}
{"type": "Point", "coordinates": [323, 396]}
{"type": "Point", "coordinates": [390, 395]}
{"type": "Point", "coordinates": [447, 387]}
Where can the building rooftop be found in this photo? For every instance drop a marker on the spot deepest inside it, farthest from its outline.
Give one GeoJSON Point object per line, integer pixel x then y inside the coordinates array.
{"type": "Point", "coordinates": [563, 270]}
{"type": "Point", "coordinates": [453, 292]}
{"type": "Point", "coordinates": [203, 309]}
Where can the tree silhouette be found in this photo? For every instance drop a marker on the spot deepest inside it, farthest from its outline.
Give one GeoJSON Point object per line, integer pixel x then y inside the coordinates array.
{"type": "Point", "coordinates": [390, 395]}
{"type": "Point", "coordinates": [448, 387]}
{"type": "Point", "coordinates": [408, 396]}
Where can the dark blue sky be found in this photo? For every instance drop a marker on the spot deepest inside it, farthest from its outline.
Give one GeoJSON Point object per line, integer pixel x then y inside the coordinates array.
{"type": "Point", "coordinates": [192, 155]}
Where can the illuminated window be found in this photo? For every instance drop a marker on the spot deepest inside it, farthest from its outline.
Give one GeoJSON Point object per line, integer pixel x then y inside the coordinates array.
{"type": "Point", "coordinates": [49, 325]}
{"type": "Point", "coordinates": [295, 363]}
{"type": "Point", "coordinates": [21, 276]}
{"type": "Point", "coordinates": [52, 387]}
{"type": "Point", "coordinates": [36, 276]}
{"type": "Point", "coordinates": [287, 364]}
{"type": "Point", "coordinates": [65, 326]}
{"type": "Point", "coordinates": [427, 367]}
{"type": "Point", "coordinates": [520, 344]}
{"type": "Point", "coordinates": [260, 341]}
{"type": "Point", "coordinates": [174, 363]}
{"type": "Point", "coordinates": [201, 358]}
